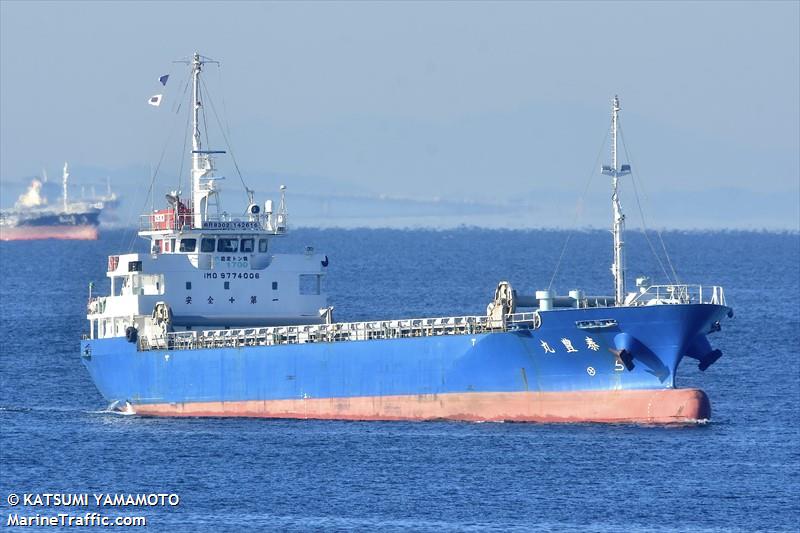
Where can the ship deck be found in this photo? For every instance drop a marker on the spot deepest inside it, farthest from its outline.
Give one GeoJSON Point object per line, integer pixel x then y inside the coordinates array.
{"type": "Point", "coordinates": [338, 332]}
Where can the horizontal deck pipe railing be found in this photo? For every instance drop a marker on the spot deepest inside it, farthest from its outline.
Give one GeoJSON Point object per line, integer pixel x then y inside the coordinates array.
{"type": "Point", "coordinates": [337, 332]}
{"type": "Point", "coordinates": [402, 328]}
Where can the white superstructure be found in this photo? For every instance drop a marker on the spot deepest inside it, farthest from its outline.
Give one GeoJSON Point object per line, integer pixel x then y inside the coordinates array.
{"type": "Point", "coordinates": [206, 269]}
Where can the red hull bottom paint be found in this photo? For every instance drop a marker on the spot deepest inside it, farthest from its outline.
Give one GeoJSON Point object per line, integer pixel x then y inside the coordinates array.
{"type": "Point", "coordinates": [32, 233]}
{"type": "Point", "coordinates": [667, 406]}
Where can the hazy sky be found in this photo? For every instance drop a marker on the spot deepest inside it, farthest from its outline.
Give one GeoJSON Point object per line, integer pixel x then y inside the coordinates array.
{"type": "Point", "coordinates": [469, 101]}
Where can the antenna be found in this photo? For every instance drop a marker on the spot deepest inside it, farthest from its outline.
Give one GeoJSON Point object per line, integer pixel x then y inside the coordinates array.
{"type": "Point", "coordinates": [618, 227]}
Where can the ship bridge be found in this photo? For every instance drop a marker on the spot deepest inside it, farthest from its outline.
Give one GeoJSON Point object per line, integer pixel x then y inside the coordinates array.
{"type": "Point", "coordinates": [207, 268]}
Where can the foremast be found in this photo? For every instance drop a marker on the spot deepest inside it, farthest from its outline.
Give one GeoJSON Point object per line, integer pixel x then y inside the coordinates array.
{"type": "Point", "coordinates": [618, 226]}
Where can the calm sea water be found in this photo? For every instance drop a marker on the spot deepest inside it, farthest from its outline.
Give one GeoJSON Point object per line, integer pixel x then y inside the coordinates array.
{"type": "Point", "coordinates": [740, 472]}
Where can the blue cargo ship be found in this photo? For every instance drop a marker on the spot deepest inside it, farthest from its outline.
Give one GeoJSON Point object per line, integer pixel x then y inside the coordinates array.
{"type": "Point", "coordinates": [211, 323]}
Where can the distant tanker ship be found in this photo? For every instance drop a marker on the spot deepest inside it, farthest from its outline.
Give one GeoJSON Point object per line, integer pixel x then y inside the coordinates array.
{"type": "Point", "coordinates": [34, 218]}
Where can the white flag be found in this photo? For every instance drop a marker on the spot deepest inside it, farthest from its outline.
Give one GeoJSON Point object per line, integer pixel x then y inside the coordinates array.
{"type": "Point", "coordinates": [155, 100]}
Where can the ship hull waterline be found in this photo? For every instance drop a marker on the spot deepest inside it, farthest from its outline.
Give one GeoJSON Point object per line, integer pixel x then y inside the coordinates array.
{"type": "Point", "coordinates": [671, 406]}
{"type": "Point", "coordinates": [35, 233]}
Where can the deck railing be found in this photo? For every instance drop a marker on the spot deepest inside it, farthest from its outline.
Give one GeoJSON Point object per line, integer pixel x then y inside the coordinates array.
{"type": "Point", "coordinates": [403, 328]}
{"type": "Point", "coordinates": [337, 332]}
{"type": "Point", "coordinates": [680, 294]}
{"type": "Point", "coordinates": [161, 221]}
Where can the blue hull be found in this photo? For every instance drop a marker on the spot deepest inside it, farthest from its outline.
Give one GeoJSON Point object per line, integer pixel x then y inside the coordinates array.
{"type": "Point", "coordinates": [559, 357]}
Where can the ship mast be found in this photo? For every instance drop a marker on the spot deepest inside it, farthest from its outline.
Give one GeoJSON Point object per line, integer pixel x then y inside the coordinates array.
{"type": "Point", "coordinates": [64, 178]}
{"type": "Point", "coordinates": [618, 227]}
{"type": "Point", "coordinates": [197, 66]}
{"type": "Point", "coordinates": [203, 179]}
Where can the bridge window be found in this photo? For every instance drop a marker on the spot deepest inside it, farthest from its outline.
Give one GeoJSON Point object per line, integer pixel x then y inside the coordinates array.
{"type": "Point", "coordinates": [227, 245]}
{"type": "Point", "coordinates": [262, 245]}
{"type": "Point", "coordinates": [135, 266]}
{"type": "Point", "coordinates": [207, 244]}
{"type": "Point", "coordinates": [247, 245]}
{"type": "Point", "coordinates": [188, 245]}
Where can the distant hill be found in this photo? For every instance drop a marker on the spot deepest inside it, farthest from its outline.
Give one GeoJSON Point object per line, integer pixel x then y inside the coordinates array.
{"type": "Point", "coordinates": [323, 202]}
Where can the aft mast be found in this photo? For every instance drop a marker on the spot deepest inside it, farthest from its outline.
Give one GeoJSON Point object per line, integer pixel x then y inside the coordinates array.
{"type": "Point", "coordinates": [618, 227]}
{"type": "Point", "coordinates": [203, 210]}
{"type": "Point", "coordinates": [204, 191]}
